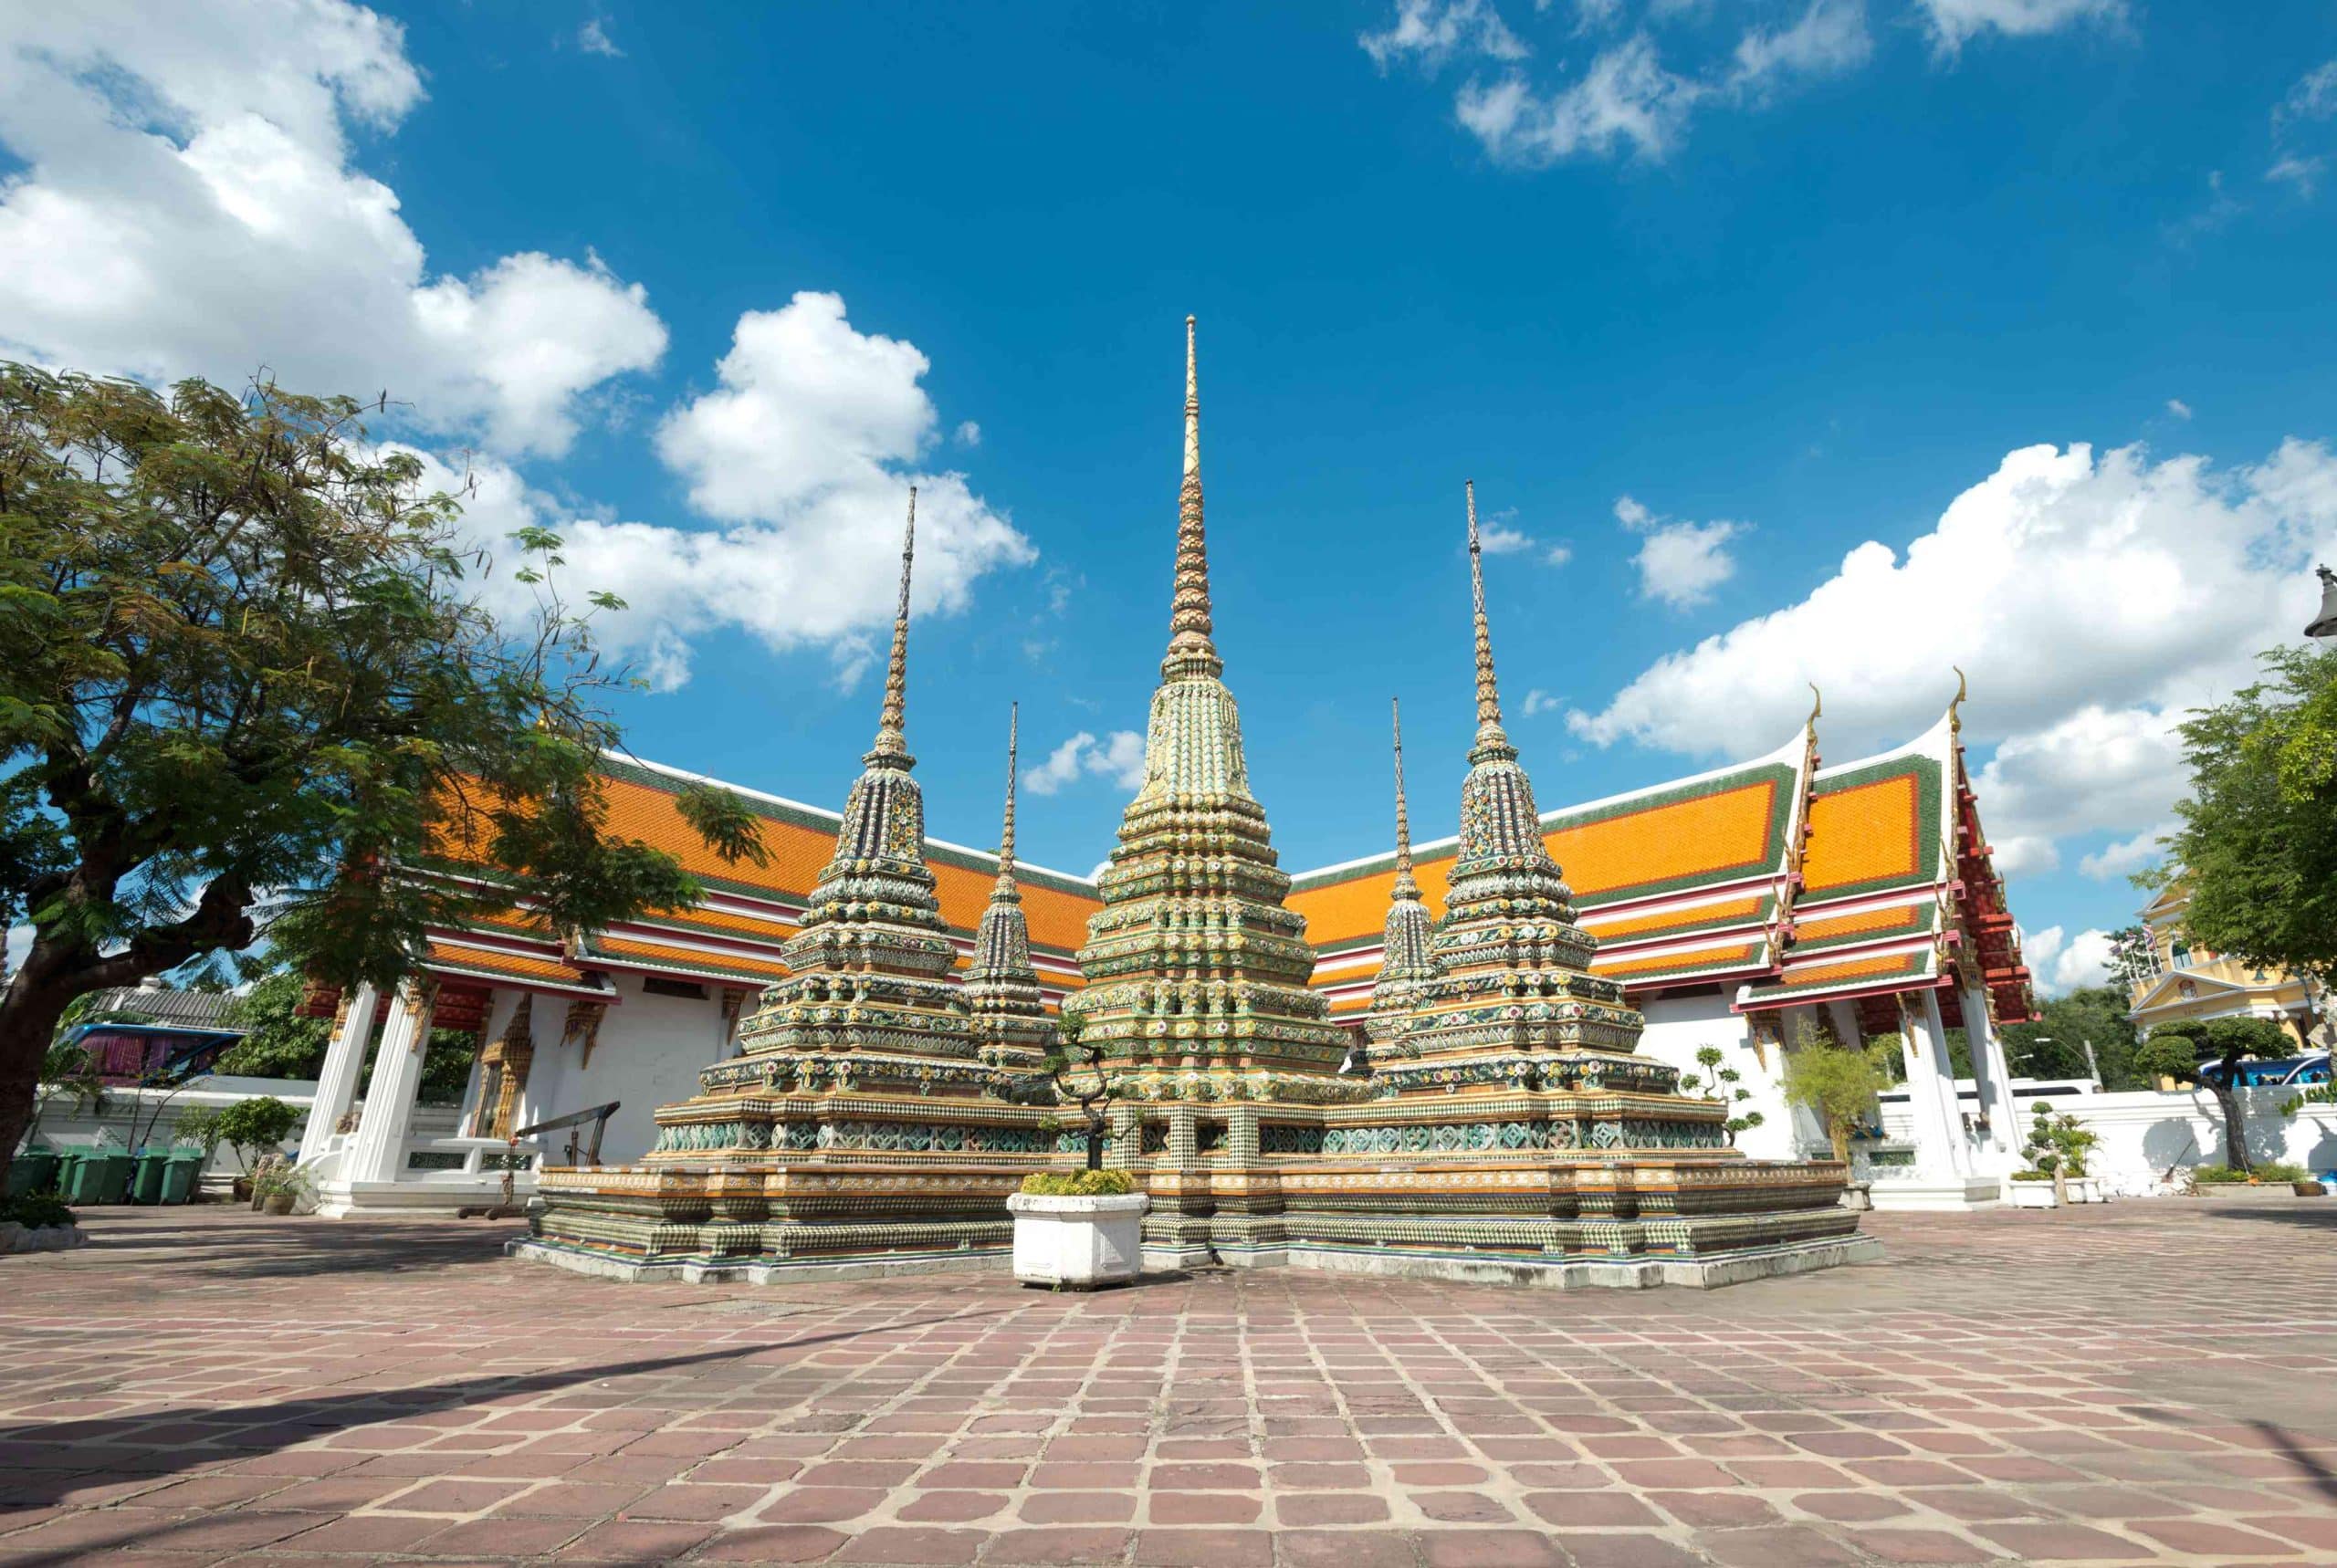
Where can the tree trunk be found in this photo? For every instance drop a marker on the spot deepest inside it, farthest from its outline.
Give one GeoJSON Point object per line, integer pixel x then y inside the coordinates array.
{"type": "Point", "coordinates": [2235, 1132]}
{"type": "Point", "coordinates": [1841, 1138]}
{"type": "Point", "coordinates": [28, 1015]}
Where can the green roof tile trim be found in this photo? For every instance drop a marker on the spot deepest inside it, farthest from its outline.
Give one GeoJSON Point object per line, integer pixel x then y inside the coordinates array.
{"type": "Point", "coordinates": [1920, 964]}
{"type": "Point", "coordinates": [1783, 778]}
{"type": "Point", "coordinates": [1925, 770]}
{"type": "Point", "coordinates": [1760, 959]}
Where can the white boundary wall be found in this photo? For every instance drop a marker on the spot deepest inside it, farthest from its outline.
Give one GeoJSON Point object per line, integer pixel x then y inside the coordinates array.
{"type": "Point", "coordinates": [2146, 1134]}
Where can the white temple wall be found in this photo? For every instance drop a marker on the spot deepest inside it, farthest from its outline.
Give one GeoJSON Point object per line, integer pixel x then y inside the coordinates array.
{"type": "Point", "coordinates": [1679, 1026]}
{"type": "Point", "coordinates": [649, 1053]}
{"type": "Point", "coordinates": [2145, 1134]}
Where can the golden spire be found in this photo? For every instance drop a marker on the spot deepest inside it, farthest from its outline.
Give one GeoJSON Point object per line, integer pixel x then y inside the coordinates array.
{"type": "Point", "coordinates": [1488, 693]}
{"type": "Point", "coordinates": [1406, 886]}
{"type": "Point", "coordinates": [1190, 647]}
{"type": "Point", "coordinates": [1954, 708]}
{"type": "Point", "coordinates": [1006, 837]}
{"type": "Point", "coordinates": [890, 736]}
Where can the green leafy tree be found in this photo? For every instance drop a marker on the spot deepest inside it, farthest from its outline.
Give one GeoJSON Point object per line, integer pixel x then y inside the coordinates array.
{"type": "Point", "coordinates": [257, 1126]}
{"type": "Point", "coordinates": [278, 1041]}
{"type": "Point", "coordinates": [1834, 1084]}
{"type": "Point", "coordinates": [246, 690]}
{"type": "Point", "coordinates": [2257, 843]}
{"type": "Point", "coordinates": [2174, 1050]}
{"type": "Point", "coordinates": [2053, 1044]}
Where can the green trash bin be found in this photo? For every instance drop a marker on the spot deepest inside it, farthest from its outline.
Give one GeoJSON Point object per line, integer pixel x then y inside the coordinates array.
{"type": "Point", "coordinates": [34, 1171]}
{"type": "Point", "coordinates": [146, 1176]}
{"type": "Point", "coordinates": [181, 1170]}
{"type": "Point", "coordinates": [77, 1176]}
{"type": "Point", "coordinates": [113, 1172]}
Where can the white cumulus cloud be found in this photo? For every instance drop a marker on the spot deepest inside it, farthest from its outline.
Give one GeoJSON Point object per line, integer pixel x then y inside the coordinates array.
{"type": "Point", "coordinates": [2061, 963]}
{"type": "Point", "coordinates": [188, 206]}
{"type": "Point", "coordinates": [2091, 599]}
{"type": "Point", "coordinates": [1953, 23]}
{"type": "Point", "coordinates": [1432, 31]}
{"type": "Point", "coordinates": [1118, 757]}
{"type": "Point", "coordinates": [1681, 563]}
{"type": "Point", "coordinates": [2127, 856]}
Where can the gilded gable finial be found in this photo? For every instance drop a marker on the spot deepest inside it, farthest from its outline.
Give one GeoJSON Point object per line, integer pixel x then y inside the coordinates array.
{"type": "Point", "coordinates": [1406, 886]}
{"type": "Point", "coordinates": [1817, 706]}
{"type": "Point", "coordinates": [891, 736]}
{"type": "Point", "coordinates": [1190, 649]}
{"type": "Point", "coordinates": [1963, 690]}
{"type": "Point", "coordinates": [1488, 691]}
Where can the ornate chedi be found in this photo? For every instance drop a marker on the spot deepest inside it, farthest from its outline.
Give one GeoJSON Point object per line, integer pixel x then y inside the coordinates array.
{"type": "Point", "coordinates": [1012, 1026]}
{"type": "Point", "coordinates": [1497, 1123]}
{"type": "Point", "coordinates": [877, 1114]}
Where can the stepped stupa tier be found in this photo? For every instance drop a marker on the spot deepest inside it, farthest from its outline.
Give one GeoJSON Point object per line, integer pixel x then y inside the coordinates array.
{"type": "Point", "coordinates": [1194, 966]}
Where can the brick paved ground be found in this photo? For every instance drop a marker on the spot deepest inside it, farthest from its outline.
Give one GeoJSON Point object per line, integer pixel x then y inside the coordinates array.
{"type": "Point", "coordinates": [2144, 1382]}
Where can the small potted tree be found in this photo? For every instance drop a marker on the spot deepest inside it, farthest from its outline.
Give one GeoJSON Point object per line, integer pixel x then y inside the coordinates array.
{"type": "Point", "coordinates": [253, 1127]}
{"type": "Point", "coordinates": [278, 1184]}
{"type": "Point", "coordinates": [2056, 1150]}
{"type": "Point", "coordinates": [1080, 1230]}
{"type": "Point", "coordinates": [1727, 1088]}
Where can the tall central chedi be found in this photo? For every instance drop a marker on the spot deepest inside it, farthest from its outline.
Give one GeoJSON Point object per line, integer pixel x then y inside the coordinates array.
{"type": "Point", "coordinates": [1196, 972]}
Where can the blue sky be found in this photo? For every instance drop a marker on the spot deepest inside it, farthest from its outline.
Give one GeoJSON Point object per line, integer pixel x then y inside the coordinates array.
{"type": "Point", "coordinates": [1723, 305]}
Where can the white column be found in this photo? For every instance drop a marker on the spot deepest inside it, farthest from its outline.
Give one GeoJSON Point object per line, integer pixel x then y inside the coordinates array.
{"type": "Point", "coordinates": [1994, 1073]}
{"type": "Point", "coordinates": [1941, 1150]}
{"type": "Point", "coordinates": [378, 1150]}
{"type": "Point", "coordinates": [337, 1084]}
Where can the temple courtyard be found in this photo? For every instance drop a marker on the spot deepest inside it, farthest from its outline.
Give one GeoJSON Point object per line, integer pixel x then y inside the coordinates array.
{"type": "Point", "coordinates": [2146, 1382]}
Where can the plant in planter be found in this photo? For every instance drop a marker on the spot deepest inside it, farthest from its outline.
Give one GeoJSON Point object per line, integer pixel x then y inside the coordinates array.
{"type": "Point", "coordinates": [2034, 1189]}
{"type": "Point", "coordinates": [255, 1125]}
{"type": "Point", "coordinates": [2058, 1147]}
{"type": "Point", "coordinates": [1727, 1088]}
{"type": "Point", "coordinates": [1078, 1230]}
{"type": "Point", "coordinates": [1833, 1084]}
{"type": "Point", "coordinates": [278, 1185]}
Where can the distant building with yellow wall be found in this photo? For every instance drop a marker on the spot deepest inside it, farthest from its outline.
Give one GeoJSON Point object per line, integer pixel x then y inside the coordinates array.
{"type": "Point", "coordinates": [2187, 982]}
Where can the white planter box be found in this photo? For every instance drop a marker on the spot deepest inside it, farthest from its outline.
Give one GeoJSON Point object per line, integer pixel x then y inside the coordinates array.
{"type": "Point", "coordinates": [2084, 1189]}
{"type": "Point", "coordinates": [2033, 1194]}
{"type": "Point", "coordinates": [1077, 1243]}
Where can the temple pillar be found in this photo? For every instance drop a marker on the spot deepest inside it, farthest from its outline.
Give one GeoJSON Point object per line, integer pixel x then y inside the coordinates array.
{"type": "Point", "coordinates": [1941, 1149]}
{"type": "Point", "coordinates": [376, 1149]}
{"type": "Point", "coordinates": [337, 1081]}
{"type": "Point", "coordinates": [1994, 1071]}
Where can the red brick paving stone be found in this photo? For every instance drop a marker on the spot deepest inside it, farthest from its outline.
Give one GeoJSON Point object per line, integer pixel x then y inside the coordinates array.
{"type": "Point", "coordinates": [1203, 1507]}
{"type": "Point", "coordinates": [780, 1543]}
{"type": "Point", "coordinates": [1203, 1477]}
{"type": "Point", "coordinates": [971, 1476]}
{"type": "Point", "coordinates": [1625, 1551]}
{"type": "Point", "coordinates": [1283, 1449]}
{"type": "Point", "coordinates": [573, 1499]}
{"type": "Point", "coordinates": [2203, 1538]}
{"type": "Point", "coordinates": [1044, 1547]}
{"type": "Point", "coordinates": [369, 1532]}
{"type": "Point", "coordinates": [1848, 1506]}
{"type": "Point", "coordinates": [631, 1541]}
{"type": "Point", "coordinates": [1082, 1477]}
{"type": "Point", "coordinates": [1304, 1508]}
{"type": "Point", "coordinates": [747, 1473]}
{"type": "Point", "coordinates": [2311, 1531]}
{"type": "Point", "coordinates": [1714, 1510]}
{"type": "Point", "coordinates": [2063, 1543]}
{"type": "Point", "coordinates": [500, 1538]}
{"type": "Point", "coordinates": [1785, 1546]}
{"type": "Point", "coordinates": [1489, 1549]}
{"type": "Point", "coordinates": [450, 1497]}
{"type": "Point", "coordinates": [919, 1544]}
{"type": "Point", "coordinates": [1204, 1549]}
{"type": "Point", "coordinates": [1591, 1510]}
{"type": "Point", "coordinates": [1343, 1549]}
{"type": "Point", "coordinates": [1917, 1546]}
{"type": "Point", "coordinates": [684, 1500]}
{"type": "Point", "coordinates": [854, 1473]}
{"type": "Point", "coordinates": [1462, 1507]}
{"type": "Point", "coordinates": [958, 1506]}
{"type": "Point", "coordinates": [1078, 1508]}
{"type": "Point", "coordinates": [1309, 1477]}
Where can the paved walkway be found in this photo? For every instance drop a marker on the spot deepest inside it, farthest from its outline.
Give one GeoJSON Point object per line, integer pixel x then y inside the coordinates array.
{"type": "Point", "coordinates": [2151, 1382]}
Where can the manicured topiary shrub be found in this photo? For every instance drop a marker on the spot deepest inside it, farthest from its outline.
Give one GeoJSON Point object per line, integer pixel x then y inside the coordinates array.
{"type": "Point", "coordinates": [1081, 1183]}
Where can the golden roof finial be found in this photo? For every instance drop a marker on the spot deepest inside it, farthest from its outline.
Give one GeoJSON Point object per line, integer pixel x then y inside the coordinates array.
{"type": "Point", "coordinates": [1817, 707]}
{"type": "Point", "coordinates": [1189, 644]}
{"type": "Point", "coordinates": [1488, 692]}
{"type": "Point", "coordinates": [1406, 885]}
{"type": "Point", "coordinates": [891, 737]}
{"type": "Point", "coordinates": [1963, 690]}
{"type": "Point", "coordinates": [1006, 837]}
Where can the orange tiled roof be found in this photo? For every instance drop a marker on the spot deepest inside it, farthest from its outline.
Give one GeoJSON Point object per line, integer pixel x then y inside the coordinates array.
{"type": "Point", "coordinates": [1723, 956]}
{"type": "Point", "coordinates": [1749, 907]}
{"type": "Point", "coordinates": [451, 958]}
{"type": "Point", "coordinates": [690, 960]}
